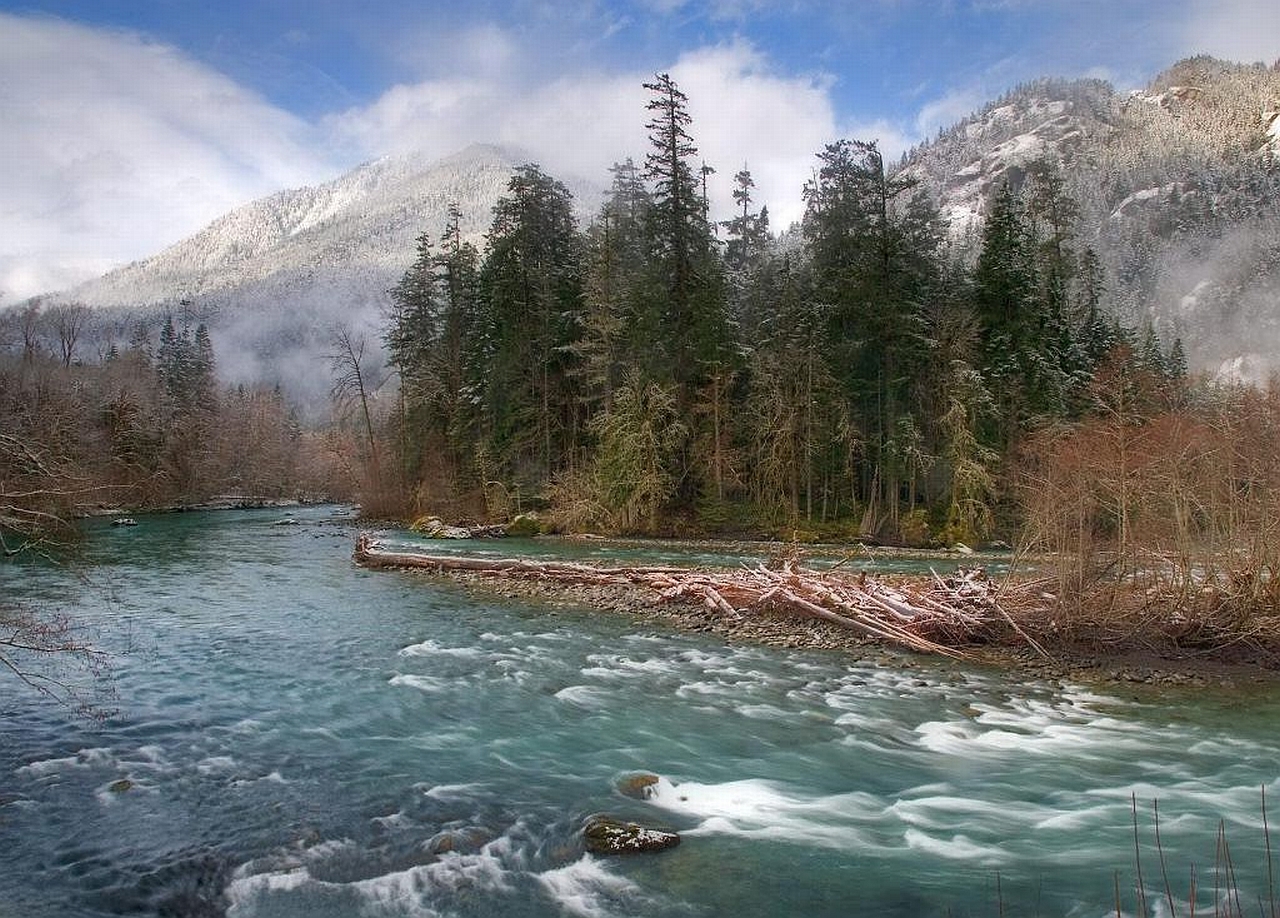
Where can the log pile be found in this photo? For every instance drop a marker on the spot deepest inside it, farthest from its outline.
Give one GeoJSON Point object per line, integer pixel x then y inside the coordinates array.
{"type": "Point", "coordinates": [935, 615]}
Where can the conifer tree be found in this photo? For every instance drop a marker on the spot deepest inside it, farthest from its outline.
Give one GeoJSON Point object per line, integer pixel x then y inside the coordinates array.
{"type": "Point", "coordinates": [691, 313]}
{"type": "Point", "coordinates": [873, 242]}
{"type": "Point", "coordinates": [531, 284]}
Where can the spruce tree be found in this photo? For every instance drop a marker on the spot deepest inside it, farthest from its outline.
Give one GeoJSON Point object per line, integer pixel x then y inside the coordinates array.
{"type": "Point", "coordinates": [873, 241]}
{"type": "Point", "coordinates": [531, 283]}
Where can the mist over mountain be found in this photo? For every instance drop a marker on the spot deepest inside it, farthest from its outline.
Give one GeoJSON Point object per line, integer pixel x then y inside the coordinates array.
{"type": "Point", "coordinates": [1177, 188]}
{"type": "Point", "coordinates": [274, 277]}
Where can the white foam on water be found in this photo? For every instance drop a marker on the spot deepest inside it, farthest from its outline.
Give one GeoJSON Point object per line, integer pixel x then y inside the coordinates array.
{"type": "Point", "coordinates": [944, 811]}
{"type": "Point", "coordinates": [422, 683]}
{"type": "Point", "coordinates": [1228, 746]}
{"type": "Point", "coordinates": [646, 638]}
{"type": "Point", "coordinates": [956, 848]}
{"type": "Point", "coordinates": [709, 690]}
{"type": "Point", "coordinates": [756, 808]}
{"type": "Point", "coordinates": [870, 723]}
{"type": "Point", "coordinates": [421, 891]}
{"type": "Point", "coordinates": [216, 764]}
{"type": "Point", "coordinates": [429, 648]}
{"type": "Point", "coordinates": [609, 666]}
{"type": "Point", "coordinates": [835, 837]}
{"type": "Point", "coordinates": [768, 712]}
{"type": "Point", "coordinates": [1075, 819]}
{"type": "Point", "coordinates": [587, 889]}
{"type": "Point", "coordinates": [449, 792]}
{"type": "Point", "coordinates": [403, 892]}
{"type": "Point", "coordinates": [584, 696]}
{"type": "Point", "coordinates": [246, 891]}
{"type": "Point", "coordinates": [1037, 728]}
{"type": "Point", "coordinates": [83, 758]}
{"type": "Point", "coordinates": [1236, 803]}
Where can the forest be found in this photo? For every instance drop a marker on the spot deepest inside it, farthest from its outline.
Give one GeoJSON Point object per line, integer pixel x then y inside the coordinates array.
{"type": "Point", "coordinates": [145, 425]}
{"type": "Point", "coordinates": [657, 372]}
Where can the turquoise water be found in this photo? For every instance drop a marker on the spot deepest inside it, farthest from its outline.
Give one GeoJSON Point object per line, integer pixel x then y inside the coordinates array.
{"type": "Point", "coordinates": [302, 735]}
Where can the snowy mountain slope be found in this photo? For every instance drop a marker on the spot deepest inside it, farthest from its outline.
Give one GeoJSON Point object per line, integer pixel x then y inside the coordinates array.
{"type": "Point", "coordinates": [367, 219]}
{"type": "Point", "coordinates": [1178, 187]}
{"type": "Point", "coordinates": [276, 275]}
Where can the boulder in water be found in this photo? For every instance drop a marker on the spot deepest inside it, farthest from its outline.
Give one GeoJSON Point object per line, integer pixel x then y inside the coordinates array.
{"type": "Point", "coordinates": [434, 528]}
{"type": "Point", "coordinates": [639, 786]}
{"type": "Point", "coordinates": [119, 787]}
{"type": "Point", "coordinates": [606, 835]}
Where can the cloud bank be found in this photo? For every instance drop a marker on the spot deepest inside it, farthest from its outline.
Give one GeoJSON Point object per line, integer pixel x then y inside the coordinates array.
{"type": "Point", "coordinates": [114, 146]}
{"type": "Point", "coordinates": [117, 146]}
{"type": "Point", "coordinates": [743, 112]}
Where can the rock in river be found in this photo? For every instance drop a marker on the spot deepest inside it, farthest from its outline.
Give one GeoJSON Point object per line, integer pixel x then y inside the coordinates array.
{"type": "Point", "coordinates": [606, 835]}
{"type": "Point", "coordinates": [640, 786]}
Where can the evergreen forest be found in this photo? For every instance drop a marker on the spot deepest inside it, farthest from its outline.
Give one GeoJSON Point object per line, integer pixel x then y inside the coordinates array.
{"type": "Point", "coordinates": [659, 372]}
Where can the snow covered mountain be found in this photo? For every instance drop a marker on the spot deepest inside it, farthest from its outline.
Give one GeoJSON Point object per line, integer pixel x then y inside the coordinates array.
{"type": "Point", "coordinates": [273, 277]}
{"type": "Point", "coordinates": [1178, 187]}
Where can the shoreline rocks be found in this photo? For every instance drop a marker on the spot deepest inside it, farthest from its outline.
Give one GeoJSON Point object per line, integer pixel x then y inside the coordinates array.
{"type": "Point", "coordinates": [1074, 663]}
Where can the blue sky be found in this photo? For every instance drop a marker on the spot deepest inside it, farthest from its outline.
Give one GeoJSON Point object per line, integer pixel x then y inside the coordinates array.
{"type": "Point", "coordinates": [129, 125]}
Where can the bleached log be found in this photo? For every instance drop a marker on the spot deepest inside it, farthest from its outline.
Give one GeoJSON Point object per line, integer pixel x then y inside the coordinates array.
{"type": "Point", "coordinates": [921, 618]}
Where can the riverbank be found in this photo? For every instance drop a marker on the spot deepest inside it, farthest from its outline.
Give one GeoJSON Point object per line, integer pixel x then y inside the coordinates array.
{"type": "Point", "coordinates": [220, 502]}
{"type": "Point", "coordinates": [1081, 660]}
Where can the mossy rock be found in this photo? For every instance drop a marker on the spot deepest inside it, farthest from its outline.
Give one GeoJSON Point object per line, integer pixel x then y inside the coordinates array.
{"type": "Point", "coordinates": [525, 525]}
{"type": "Point", "coordinates": [434, 528]}
{"type": "Point", "coordinates": [606, 835]}
{"type": "Point", "coordinates": [640, 786]}
{"type": "Point", "coordinates": [425, 523]}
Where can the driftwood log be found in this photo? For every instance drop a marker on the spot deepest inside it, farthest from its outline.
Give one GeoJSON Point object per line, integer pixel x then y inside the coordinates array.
{"type": "Point", "coordinates": [937, 615]}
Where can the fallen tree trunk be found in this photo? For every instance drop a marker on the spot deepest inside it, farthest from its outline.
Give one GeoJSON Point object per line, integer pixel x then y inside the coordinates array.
{"type": "Point", "coordinates": [935, 615]}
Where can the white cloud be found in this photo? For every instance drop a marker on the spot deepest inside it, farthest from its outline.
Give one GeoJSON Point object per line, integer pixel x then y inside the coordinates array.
{"type": "Point", "coordinates": [1237, 30]}
{"type": "Point", "coordinates": [741, 109]}
{"type": "Point", "coordinates": [114, 146]}
{"type": "Point", "coordinates": [947, 109]}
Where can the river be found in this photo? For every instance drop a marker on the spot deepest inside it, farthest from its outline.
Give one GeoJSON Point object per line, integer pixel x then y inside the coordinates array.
{"type": "Point", "coordinates": [302, 737]}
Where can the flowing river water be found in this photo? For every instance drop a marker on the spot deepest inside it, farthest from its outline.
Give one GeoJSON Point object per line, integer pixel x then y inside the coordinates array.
{"type": "Point", "coordinates": [303, 737]}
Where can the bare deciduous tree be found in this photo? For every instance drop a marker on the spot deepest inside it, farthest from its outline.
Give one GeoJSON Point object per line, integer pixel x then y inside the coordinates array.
{"type": "Point", "coordinates": [68, 321]}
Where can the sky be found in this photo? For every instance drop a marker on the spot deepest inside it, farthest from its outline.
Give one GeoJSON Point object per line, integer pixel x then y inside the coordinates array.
{"type": "Point", "coordinates": [127, 126]}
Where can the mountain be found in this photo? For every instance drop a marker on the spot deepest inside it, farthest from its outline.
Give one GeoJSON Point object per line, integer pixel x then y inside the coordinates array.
{"type": "Point", "coordinates": [273, 277]}
{"type": "Point", "coordinates": [1178, 187]}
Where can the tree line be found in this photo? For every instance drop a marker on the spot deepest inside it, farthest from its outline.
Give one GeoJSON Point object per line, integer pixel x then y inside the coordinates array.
{"type": "Point", "coordinates": [658, 371]}
{"type": "Point", "coordinates": [143, 423]}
